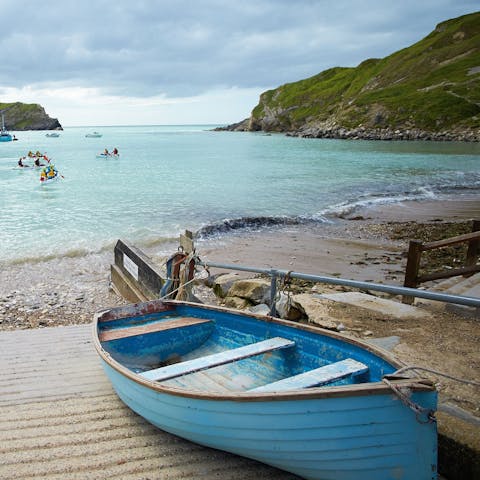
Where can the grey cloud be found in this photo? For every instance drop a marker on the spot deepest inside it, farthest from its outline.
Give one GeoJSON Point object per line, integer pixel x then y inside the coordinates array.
{"type": "Point", "coordinates": [186, 47]}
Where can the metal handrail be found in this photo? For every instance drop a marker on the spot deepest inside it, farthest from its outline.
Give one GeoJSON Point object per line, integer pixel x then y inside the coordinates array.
{"type": "Point", "coordinates": [394, 290]}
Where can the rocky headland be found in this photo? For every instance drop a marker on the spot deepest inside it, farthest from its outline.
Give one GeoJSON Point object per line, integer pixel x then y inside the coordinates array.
{"type": "Point", "coordinates": [23, 116]}
{"type": "Point", "coordinates": [363, 133]}
{"type": "Point", "coordinates": [428, 91]}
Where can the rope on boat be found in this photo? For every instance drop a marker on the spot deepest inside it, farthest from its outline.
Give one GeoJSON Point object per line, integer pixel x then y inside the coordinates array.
{"type": "Point", "coordinates": [177, 289]}
{"type": "Point", "coordinates": [436, 372]}
{"type": "Point", "coordinates": [404, 395]}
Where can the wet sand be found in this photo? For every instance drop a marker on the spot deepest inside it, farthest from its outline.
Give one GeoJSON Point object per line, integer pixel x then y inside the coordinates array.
{"type": "Point", "coordinates": [355, 248]}
{"type": "Point", "coordinates": [453, 208]}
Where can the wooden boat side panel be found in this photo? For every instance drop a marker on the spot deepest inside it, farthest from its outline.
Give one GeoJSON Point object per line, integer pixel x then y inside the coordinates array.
{"type": "Point", "coordinates": [319, 376]}
{"type": "Point", "coordinates": [216, 359]}
{"type": "Point", "coordinates": [132, 331]}
{"type": "Point", "coordinates": [346, 438]}
{"type": "Point", "coordinates": [134, 310]}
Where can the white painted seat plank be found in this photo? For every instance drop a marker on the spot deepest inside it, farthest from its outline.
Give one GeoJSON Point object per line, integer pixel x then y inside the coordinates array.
{"type": "Point", "coordinates": [319, 376]}
{"type": "Point", "coordinates": [216, 359]}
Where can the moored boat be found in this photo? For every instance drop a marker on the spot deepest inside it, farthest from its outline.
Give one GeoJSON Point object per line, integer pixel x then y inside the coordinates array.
{"type": "Point", "coordinates": [52, 135]}
{"type": "Point", "coordinates": [5, 136]}
{"type": "Point", "coordinates": [93, 135]}
{"type": "Point", "coordinates": [309, 401]}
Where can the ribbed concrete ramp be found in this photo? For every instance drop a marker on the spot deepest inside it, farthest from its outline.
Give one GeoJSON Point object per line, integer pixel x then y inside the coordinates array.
{"type": "Point", "coordinates": [60, 419]}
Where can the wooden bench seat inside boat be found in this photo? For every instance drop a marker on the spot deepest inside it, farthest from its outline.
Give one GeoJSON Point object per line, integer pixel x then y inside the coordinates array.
{"type": "Point", "coordinates": [319, 376]}
{"type": "Point", "coordinates": [160, 326]}
{"type": "Point", "coordinates": [216, 359]}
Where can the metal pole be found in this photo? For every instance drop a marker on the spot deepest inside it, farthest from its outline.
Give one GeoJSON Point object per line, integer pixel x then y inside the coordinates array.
{"type": "Point", "coordinates": [394, 290]}
{"type": "Point", "coordinates": [273, 292]}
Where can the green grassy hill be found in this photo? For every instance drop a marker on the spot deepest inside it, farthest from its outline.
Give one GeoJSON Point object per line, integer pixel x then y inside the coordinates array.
{"type": "Point", "coordinates": [27, 116]}
{"type": "Point", "coordinates": [433, 86]}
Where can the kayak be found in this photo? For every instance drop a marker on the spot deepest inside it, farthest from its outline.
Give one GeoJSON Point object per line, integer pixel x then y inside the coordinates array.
{"type": "Point", "coordinates": [48, 174]}
{"type": "Point", "coordinates": [109, 155]}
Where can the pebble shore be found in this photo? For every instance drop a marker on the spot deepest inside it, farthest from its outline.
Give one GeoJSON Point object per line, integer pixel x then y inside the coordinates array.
{"type": "Point", "coordinates": [63, 291]}
{"type": "Point", "coordinates": [362, 133]}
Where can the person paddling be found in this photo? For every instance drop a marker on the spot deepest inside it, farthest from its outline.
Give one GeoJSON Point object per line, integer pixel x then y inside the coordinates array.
{"type": "Point", "coordinates": [21, 164]}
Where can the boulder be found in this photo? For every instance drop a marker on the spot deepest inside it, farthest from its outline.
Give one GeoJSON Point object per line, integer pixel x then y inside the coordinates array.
{"type": "Point", "coordinates": [237, 303]}
{"type": "Point", "coordinates": [255, 290]}
{"type": "Point", "coordinates": [317, 312]}
{"type": "Point", "coordinates": [222, 284]}
{"type": "Point", "coordinates": [289, 309]}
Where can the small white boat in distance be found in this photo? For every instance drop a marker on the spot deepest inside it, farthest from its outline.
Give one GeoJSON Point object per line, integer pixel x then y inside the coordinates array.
{"type": "Point", "coordinates": [93, 135]}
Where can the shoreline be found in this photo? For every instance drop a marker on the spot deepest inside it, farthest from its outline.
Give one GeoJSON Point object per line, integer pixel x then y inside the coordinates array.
{"type": "Point", "coordinates": [66, 290]}
{"type": "Point", "coordinates": [332, 131]}
{"type": "Point", "coordinates": [358, 246]}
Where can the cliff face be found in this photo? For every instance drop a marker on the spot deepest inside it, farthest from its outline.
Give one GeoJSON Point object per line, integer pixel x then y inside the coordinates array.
{"type": "Point", "coordinates": [23, 116]}
{"type": "Point", "coordinates": [429, 90]}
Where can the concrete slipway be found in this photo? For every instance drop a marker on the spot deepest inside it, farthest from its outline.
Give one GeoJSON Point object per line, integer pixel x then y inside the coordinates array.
{"type": "Point", "coordinates": [60, 419]}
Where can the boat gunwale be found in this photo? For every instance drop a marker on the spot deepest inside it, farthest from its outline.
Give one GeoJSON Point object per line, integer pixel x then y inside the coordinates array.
{"type": "Point", "coordinates": [415, 384]}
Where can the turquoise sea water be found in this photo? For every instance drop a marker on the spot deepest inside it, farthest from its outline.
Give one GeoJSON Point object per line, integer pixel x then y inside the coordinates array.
{"type": "Point", "coordinates": [171, 178]}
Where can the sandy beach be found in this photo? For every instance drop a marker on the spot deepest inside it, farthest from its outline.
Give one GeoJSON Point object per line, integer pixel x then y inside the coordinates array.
{"type": "Point", "coordinates": [360, 247]}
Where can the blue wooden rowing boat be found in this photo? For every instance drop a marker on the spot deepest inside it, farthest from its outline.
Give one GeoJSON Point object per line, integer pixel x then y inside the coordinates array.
{"type": "Point", "coordinates": [309, 401]}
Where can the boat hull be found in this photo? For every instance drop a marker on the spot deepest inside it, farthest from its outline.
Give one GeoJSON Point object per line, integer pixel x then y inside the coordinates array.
{"type": "Point", "coordinates": [338, 433]}
{"type": "Point", "coordinates": [348, 438]}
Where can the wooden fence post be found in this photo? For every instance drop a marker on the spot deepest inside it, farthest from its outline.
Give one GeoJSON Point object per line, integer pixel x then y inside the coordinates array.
{"type": "Point", "coordinates": [411, 271]}
{"type": "Point", "coordinates": [186, 242]}
{"type": "Point", "coordinates": [473, 246]}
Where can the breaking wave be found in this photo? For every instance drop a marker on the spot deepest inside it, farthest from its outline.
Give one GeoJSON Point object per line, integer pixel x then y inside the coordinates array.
{"type": "Point", "coordinates": [252, 224]}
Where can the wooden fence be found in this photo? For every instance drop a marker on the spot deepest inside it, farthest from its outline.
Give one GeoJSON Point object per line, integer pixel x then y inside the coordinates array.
{"type": "Point", "coordinates": [412, 273]}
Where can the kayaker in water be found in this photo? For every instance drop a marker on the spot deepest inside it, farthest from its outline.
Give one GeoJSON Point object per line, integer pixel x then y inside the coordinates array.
{"type": "Point", "coordinates": [21, 164]}
{"type": "Point", "coordinates": [115, 151]}
{"type": "Point", "coordinates": [38, 164]}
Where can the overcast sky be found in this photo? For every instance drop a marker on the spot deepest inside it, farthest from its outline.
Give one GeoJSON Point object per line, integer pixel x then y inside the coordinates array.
{"type": "Point", "coordinates": [117, 62]}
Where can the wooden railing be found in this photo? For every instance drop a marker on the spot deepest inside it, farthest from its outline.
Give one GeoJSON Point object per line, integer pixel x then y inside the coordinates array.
{"type": "Point", "coordinates": [412, 276]}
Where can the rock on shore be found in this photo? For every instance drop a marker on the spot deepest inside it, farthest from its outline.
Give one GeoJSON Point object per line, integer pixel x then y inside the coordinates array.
{"type": "Point", "coordinates": [363, 133]}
